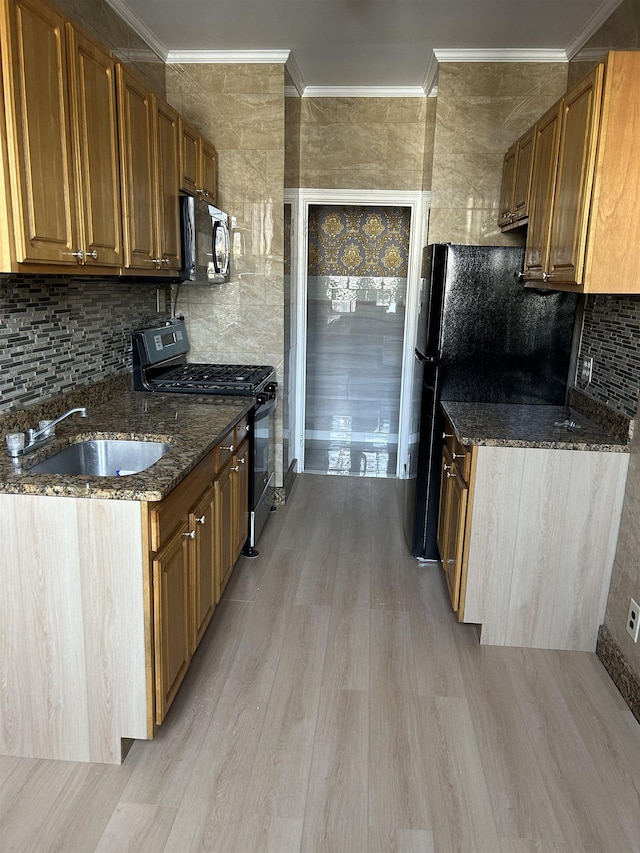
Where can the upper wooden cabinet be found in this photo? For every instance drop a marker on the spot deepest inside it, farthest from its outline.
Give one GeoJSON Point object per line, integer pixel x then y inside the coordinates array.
{"type": "Point", "coordinates": [62, 179]}
{"type": "Point", "coordinates": [149, 165]}
{"type": "Point", "coordinates": [41, 217]}
{"type": "Point", "coordinates": [197, 164]}
{"type": "Point", "coordinates": [95, 137]}
{"type": "Point", "coordinates": [516, 182]}
{"type": "Point", "coordinates": [584, 226]}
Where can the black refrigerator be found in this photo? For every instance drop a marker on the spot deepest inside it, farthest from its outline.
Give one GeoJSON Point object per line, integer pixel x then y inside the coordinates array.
{"type": "Point", "coordinates": [483, 337]}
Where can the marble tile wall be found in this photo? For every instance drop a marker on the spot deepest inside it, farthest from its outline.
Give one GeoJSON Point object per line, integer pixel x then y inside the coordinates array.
{"type": "Point", "coordinates": [361, 143]}
{"type": "Point", "coordinates": [482, 108]}
{"type": "Point", "coordinates": [240, 108]}
{"type": "Point", "coordinates": [611, 334]}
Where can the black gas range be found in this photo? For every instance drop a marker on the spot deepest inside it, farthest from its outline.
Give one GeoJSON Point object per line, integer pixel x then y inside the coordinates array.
{"type": "Point", "coordinates": [160, 365]}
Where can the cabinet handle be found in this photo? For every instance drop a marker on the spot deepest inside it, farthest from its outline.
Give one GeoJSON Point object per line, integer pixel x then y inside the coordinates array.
{"type": "Point", "coordinates": [202, 519]}
{"type": "Point", "coordinates": [235, 468]}
{"type": "Point", "coordinates": [165, 261]}
{"type": "Point", "coordinates": [191, 534]}
{"type": "Point", "coordinates": [230, 448]}
{"type": "Point", "coordinates": [241, 461]}
{"type": "Point", "coordinates": [458, 455]}
{"type": "Point", "coordinates": [546, 276]}
{"type": "Point", "coordinates": [79, 255]}
{"type": "Point", "coordinates": [93, 255]}
{"type": "Point", "coordinates": [448, 435]}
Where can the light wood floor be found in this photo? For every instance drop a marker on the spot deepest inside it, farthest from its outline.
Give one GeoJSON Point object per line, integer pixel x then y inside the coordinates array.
{"type": "Point", "coordinates": [336, 705]}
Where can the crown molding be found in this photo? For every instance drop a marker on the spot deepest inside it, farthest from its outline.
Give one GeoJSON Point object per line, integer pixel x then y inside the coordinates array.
{"type": "Point", "coordinates": [430, 84]}
{"type": "Point", "coordinates": [592, 26]}
{"type": "Point", "coordinates": [186, 57]}
{"type": "Point", "coordinates": [500, 55]}
{"type": "Point", "coordinates": [139, 27]}
{"type": "Point", "coordinates": [295, 75]}
{"type": "Point", "coordinates": [363, 92]}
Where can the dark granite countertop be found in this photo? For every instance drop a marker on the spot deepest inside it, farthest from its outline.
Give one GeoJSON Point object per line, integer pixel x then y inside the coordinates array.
{"type": "Point", "coordinates": [505, 425]}
{"type": "Point", "coordinates": [191, 423]}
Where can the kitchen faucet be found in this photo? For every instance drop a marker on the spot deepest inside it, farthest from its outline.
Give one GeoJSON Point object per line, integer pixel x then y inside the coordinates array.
{"type": "Point", "coordinates": [37, 437]}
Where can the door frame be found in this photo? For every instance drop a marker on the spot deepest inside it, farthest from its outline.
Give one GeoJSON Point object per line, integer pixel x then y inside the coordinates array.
{"type": "Point", "coordinates": [418, 201]}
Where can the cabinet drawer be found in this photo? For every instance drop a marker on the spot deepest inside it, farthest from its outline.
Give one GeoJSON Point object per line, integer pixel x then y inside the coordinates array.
{"type": "Point", "coordinates": [168, 514]}
{"type": "Point", "coordinates": [242, 430]}
{"type": "Point", "coordinates": [224, 451]}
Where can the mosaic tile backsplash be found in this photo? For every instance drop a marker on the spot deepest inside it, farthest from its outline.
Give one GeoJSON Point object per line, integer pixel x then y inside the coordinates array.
{"type": "Point", "coordinates": [59, 333]}
{"type": "Point", "coordinates": [611, 336]}
{"type": "Point", "coordinates": [360, 241]}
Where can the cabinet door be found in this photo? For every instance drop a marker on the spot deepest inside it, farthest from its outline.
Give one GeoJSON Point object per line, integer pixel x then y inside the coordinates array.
{"type": "Point", "coordinates": [225, 524]}
{"type": "Point", "coordinates": [136, 169]}
{"type": "Point", "coordinates": [166, 140]}
{"type": "Point", "coordinates": [241, 496]}
{"type": "Point", "coordinates": [208, 171]}
{"type": "Point", "coordinates": [545, 158]}
{"type": "Point", "coordinates": [171, 606]}
{"type": "Point", "coordinates": [204, 564]}
{"type": "Point", "coordinates": [444, 506]}
{"type": "Point", "coordinates": [94, 120]}
{"type": "Point", "coordinates": [505, 215]}
{"type": "Point", "coordinates": [459, 493]}
{"type": "Point", "coordinates": [189, 157]}
{"type": "Point", "coordinates": [35, 72]}
{"type": "Point", "coordinates": [523, 174]}
{"type": "Point", "coordinates": [576, 164]}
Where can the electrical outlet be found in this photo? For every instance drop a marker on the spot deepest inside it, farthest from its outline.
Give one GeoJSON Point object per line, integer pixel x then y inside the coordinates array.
{"type": "Point", "coordinates": [587, 369]}
{"type": "Point", "coordinates": [633, 620]}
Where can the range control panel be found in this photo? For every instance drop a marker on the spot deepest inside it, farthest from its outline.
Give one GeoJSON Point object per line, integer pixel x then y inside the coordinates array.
{"type": "Point", "coordinates": [163, 342]}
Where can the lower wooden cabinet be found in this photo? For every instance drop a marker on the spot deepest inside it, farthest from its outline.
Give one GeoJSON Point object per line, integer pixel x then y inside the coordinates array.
{"type": "Point", "coordinates": [527, 539]}
{"type": "Point", "coordinates": [196, 535]}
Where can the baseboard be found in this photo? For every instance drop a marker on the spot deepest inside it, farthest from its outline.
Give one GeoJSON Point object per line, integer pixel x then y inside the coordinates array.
{"type": "Point", "coordinates": [624, 678]}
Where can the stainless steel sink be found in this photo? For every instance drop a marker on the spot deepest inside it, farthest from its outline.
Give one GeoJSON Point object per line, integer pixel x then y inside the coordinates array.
{"type": "Point", "coordinates": [104, 458]}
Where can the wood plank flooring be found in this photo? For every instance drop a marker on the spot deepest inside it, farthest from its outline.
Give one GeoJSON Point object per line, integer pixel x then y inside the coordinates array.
{"type": "Point", "coordinates": [336, 706]}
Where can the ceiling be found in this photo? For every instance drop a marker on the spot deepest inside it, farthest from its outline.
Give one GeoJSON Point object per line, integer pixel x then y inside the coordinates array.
{"type": "Point", "coordinates": [337, 46]}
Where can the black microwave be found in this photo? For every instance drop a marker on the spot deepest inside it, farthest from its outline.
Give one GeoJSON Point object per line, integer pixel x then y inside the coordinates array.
{"type": "Point", "coordinates": [206, 243]}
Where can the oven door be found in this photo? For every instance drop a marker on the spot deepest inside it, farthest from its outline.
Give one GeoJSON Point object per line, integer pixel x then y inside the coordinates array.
{"type": "Point", "coordinates": [263, 468]}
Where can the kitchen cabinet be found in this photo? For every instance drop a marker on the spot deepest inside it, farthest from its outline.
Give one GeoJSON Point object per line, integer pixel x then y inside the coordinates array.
{"type": "Point", "coordinates": [197, 164]}
{"type": "Point", "coordinates": [149, 164]}
{"type": "Point", "coordinates": [592, 241]}
{"type": "Point", "coordinates": [516, 182]}
{"type": "Point", "coordinates": [533, 553]}
{"type": "Point", "coordinates": [95, 138]}
{"type": "Point", "coordinates": [62, 179]}
{"type": "Point", "coordinates": [196, 535]}
{"type": "Point", "coordinates": [547, 141]}
{"type": "Point", "coordinates": [452, 518]}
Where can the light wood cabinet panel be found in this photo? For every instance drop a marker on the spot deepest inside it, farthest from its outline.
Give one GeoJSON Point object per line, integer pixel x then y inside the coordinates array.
{"type": "Point", "coordinates": [136, 169]}
{"type": "Point", "coordinates": [547, 142]}
{"type": "Point", "coordinates": [204, 564]}
{"type": "Point", "coordinates": [167, 177]}
{"type": "Point", "coordinates": [94, 118]}
{"type": "Point", "coordinates": [34, 66]}
{"type": "Point", "coordinates": [172, 627]}
{"type": "Point", "coordinates": [189, 138]}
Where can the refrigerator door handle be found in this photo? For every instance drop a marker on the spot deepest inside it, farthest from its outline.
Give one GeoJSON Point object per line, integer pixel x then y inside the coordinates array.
{"type": "Point", "coordinates": [424, 359]}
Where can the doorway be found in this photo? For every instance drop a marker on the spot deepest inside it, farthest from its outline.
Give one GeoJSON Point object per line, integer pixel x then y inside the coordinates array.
{"type": "Point", "coordinates": [302, 201]}
{"type": "Point", "coordinates": [357, 264]}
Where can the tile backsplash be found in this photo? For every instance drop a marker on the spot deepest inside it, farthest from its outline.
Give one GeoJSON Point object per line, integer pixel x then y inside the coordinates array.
{"type": "Point", "coordinates": [58, 333]}
{"type": "Point", "coordinates": [610, 336]}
